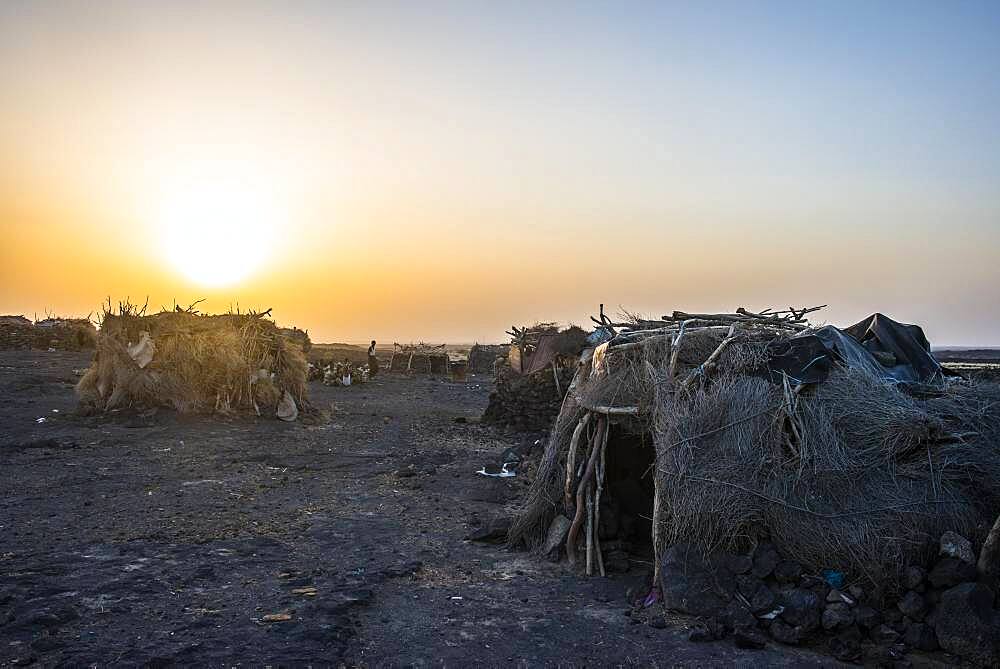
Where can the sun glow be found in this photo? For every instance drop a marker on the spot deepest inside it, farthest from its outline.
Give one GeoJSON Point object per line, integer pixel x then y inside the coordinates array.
{"type": "Point", "coordinates": [218, 233]}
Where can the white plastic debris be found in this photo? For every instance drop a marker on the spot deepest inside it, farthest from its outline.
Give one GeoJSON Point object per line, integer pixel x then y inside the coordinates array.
{"type": "Point", "coordinates": [502, 474]}
{"type": "Point", "coordinates": [771, 615]}
{"type": "Point", "coordinates": [142, 352]}
{"type": "Point", "coordinates": [286, 408]}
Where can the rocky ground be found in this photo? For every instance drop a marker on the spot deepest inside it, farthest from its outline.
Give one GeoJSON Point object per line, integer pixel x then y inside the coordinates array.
{"type": "Point", "coordinates": [152, 539]}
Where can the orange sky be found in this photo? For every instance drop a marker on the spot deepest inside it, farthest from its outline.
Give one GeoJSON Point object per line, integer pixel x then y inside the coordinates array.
{"type": "Point", "coordinates": [372, 173]}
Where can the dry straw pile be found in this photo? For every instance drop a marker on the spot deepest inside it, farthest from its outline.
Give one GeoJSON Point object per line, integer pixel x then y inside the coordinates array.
{"type": "Point", "coordinates": [855, 473]}
{"type": "Point", "coordinates": [194, 363]}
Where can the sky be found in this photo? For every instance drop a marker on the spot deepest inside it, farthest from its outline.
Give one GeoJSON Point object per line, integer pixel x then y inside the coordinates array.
{"type": "Point", "coordinates": [441, 171]}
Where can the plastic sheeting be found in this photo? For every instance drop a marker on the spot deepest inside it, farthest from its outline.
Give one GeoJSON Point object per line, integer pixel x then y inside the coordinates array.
{"type": "Point", "coordinates": [891, 350]}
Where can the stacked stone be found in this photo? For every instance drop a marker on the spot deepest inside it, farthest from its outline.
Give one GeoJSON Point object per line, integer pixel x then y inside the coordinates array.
{"type": "Point", "coordinates": [528, 402]}
{"type": "Point", "coordinates": [943, 608]}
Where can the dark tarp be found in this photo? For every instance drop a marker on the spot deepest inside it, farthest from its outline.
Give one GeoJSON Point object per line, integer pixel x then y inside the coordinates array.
{"type": "Point", "coordinates": [878, 344]}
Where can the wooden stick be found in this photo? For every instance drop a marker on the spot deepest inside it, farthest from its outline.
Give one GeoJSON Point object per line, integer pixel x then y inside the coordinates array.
{"type": "Point", "coordinates": [656, 529]}
{"type": "Point", "coordinates": [710, 361]}
{"type": "Point", "coordinates": [989, 557]}
{"type": "Point", "coordinates": [590, 526]}
{"type": "Point", "coordinates": [571, 462]}
{"type": "Point", "coordinates": [597, 503]}
{"type": "Point", "coordinates": [615, 411]}
{"type": "Point", "coordinates": [574, 528]}
{"type": "Point", "coordinates": [676, 351]}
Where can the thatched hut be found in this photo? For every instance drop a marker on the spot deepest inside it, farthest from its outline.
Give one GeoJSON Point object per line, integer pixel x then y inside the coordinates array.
{"type": "Point", "coordinates": [419, 358]}
{"type": "Point", "coordinates": [61, 334]}
{"type": "Point", "coordinates": [848, 449]}
{"type": "Point", "coordinates": [483, 357]}
{"type": "Point", "coordinates": [194, 363]}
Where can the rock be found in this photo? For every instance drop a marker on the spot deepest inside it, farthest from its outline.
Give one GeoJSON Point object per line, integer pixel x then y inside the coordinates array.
{"type": "Point", "coordinates": [837, 597]}
{"type": "Point", "coordinates": [846, 646]}
{"type": "Point", "coordinates": [658, 622]}
{"type": "Point", "coordinates": [765, 559]}
{"type": "Point", "coordinates": [406, 472]}
{"type": "Point", "coordinates": [748, 585]}
{"type": "Point", "coordinates": [867, 617]}
{"type": "Point", "coordinates": [749, 638]}
{"type": "Point", "coordinates": [950, 571]}
{"type": "Point", "coordinates": [914, 577]}
{"type": "Point", "coordinates": [883, 634]}
{"type": "Point", "coordinates": [956, 546]}
{"type": "Point", "coordinates": [967, 625]}
{"type": "Point", "coordinates": [785, 633]}
{"type": "Point", "coordinates": [557, 533]}
{"type": "Point", "coordinates": [802, 608]}
{"type": "Point", "coordinates": [837, 616]}
{"type": "Point", "coordinates": [989, 558]}
{"type": "Point", "coordinates": [920, 636]}
{"type": "Point", "coordinates": [737, 617]}
{"type": "Point", "coordinates": [694, 584]}
{"type": "Point", "coordinates": [494, 531]}
{"type": "Point", "coordinates": [763, 600]}
{"type": "Point", "coordinates": [788, 572]}
{"type": "Point", "coordinates": [738, 564]}
{"type": "Point", "coordinates": [913, 605]}
{"type": "Point", "coordinates": [893, 615]}
{"type": "Point", "coordinates": [856, 592]}
{"type": "Point", "coordinates": [879, 656]}
{"type": "Point", "coordinates": [700, 634]}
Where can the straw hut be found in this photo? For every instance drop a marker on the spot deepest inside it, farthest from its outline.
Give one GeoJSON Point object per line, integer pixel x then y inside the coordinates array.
{"type": "Point", "coordinates": [483, 357]}
{"type": "Point", "coordinates": [419, 358]}
{"type": "Point", "coordinates": [61, 334]}
{"type": "Point", "coordinates": [194, 363]}
{"type": "Point", "coordinates": [848, 449]}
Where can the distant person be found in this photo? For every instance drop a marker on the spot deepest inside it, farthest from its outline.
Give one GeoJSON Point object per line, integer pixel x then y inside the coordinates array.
{"type": "Point", "coordinates": [372, 361]}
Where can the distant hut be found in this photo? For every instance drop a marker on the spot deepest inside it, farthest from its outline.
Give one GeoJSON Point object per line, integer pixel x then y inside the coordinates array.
{"type": "Point", "coordinates": [483, 357]}
{"type": "Point", "coordinates": [194, 363]}
{"type": "Point", "coordinates": [421, 358]}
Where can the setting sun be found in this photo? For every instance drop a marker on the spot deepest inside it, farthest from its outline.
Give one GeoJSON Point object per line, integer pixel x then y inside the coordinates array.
{"type": "Point", "coordinates": [217, 233]}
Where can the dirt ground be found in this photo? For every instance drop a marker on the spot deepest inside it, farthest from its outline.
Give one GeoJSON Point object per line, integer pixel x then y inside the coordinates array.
{"type": "Point", "coordinates": [151, 539]}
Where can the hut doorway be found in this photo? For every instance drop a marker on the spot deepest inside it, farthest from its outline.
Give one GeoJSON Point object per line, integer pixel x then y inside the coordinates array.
{"type": "Point", "coordinates": [626, 525]}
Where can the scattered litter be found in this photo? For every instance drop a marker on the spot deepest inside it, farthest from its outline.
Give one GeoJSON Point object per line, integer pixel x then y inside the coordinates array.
{"type": "Point", "coordinates": [276, 618]}
{"type": "Point", "coordinates": [771, 615]}
{"type": "Point", "coordinates": [503, 473]}
{"type": "Point", "coordinates": [308, 591]}
{"type": "Point", "coordinates": [457, 599]}
{"type": "Point", "coordinates": [835, 579]}
{"type": "Point", "coordinates": [653, 597]}
{"type": "Point", "coordinates": [55, 411]}
{"type": "Point", "coordinates": [40, 420]}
